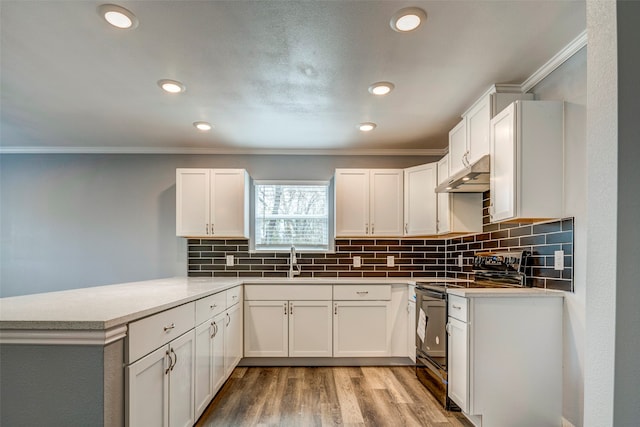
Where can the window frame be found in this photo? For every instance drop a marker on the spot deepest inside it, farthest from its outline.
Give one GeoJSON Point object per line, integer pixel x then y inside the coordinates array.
{"type": "Point", "coordinates": [331, 215]}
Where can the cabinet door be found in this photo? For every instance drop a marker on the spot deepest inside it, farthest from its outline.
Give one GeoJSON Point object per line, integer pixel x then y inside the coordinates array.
{"type": "Point", "coordinates": [457, 147]}
{"type": "Point", "coordinates": [361, 329]}
{"type": "Point", "coordinates": [203, 366]}
{"type": "Point", "coordinates": [232, 339]}
{"type": "Point", "coordinates": [352, 202]}
{"type": "Point", "coordinates": [266, 332]}
{"type": "Point", "coordinates": [503, 165]}
{"type": "Point", "coordinates": [192, 202]}
{"type": "Point", "coordinates": [420, 200]}
{"type": "Point", "coordinates": [181, 381]}
{"type": "Point", "coordinates": [229, 203]}
{"type": "Point", "coordinates": [385, 214]}
{"type": "Point", "coordinates": [478, 134]}
{"type": "Point", "coordinates": [458, 368]}
{"type": "Point", "coordinates": [444, 213]}
{"type": "Point", "coordinates": [218, 374]}
{"type": "Point", "coordinates": [310, 329]}
{"type": "Point", "coordinates": [411, 330]}
{"type": "Point", "coordinates": [147, 393]}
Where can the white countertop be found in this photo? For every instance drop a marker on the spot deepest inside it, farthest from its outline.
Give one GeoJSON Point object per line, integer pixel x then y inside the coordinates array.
{"type": "Point", "coordinates": [103, 307]}
{"type": "Point", "coordinates": [504, 292]}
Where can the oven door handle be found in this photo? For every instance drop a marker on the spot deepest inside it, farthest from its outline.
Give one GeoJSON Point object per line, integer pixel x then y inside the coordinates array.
{"type": "Point", "coordinates": [431, 293]}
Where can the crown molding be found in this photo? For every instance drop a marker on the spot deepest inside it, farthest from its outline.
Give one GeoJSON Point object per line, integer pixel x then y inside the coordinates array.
{"type": "Point", "coordinates": [222, 151]}
{"type": "Point", "coordinates": [557, 60]}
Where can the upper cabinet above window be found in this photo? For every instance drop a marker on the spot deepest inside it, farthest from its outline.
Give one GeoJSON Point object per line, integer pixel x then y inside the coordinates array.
{"type": "Point", "coordinates": [212, 203]}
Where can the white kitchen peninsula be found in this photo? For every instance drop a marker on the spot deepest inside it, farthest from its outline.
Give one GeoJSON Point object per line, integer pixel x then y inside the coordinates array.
{"type": "Point", "coordinates": [66, 355]}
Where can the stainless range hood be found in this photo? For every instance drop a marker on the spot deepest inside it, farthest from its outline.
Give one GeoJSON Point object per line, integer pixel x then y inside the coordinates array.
{"type": "Point", "coordinates": [472, 179]}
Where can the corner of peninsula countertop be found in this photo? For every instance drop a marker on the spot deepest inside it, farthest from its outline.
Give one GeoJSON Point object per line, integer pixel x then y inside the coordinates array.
{"type": "Point", "coordinates": [101, 308]}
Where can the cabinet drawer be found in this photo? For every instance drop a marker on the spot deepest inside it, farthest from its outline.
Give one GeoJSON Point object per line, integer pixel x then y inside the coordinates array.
{"type": "Point", "coordinates": [362, 292]}
{"type": "Point", "coordinates": [234, 296]}
{"type": "Point", "coordinates": [210, 306]}
{"type": "Point", "coordinates": [458, 308]}
{"type": "Point", "coordinates": [301, 292]}
{"type": "Point", "coordinates": [152, 332]}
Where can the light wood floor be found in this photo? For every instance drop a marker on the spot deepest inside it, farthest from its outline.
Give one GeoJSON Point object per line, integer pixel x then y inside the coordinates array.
{"type": "Point", "coordinates": [323, 396]}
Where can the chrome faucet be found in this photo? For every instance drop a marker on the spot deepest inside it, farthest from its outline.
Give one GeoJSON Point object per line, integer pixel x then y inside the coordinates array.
{"type": "Point", "coordinates": [294, 268]}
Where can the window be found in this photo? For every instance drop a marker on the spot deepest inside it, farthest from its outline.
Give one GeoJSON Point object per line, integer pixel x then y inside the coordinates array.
{"type": "Point", "coordinates": [289, 214]}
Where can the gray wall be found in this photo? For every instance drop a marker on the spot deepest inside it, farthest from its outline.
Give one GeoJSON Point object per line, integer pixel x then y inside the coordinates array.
{"type": "Point", "coordinates": [569, 83]}
{"type": "Point", "coordinates": [627, 376]}
{"type": "Point", "coordinates": [72, 221]}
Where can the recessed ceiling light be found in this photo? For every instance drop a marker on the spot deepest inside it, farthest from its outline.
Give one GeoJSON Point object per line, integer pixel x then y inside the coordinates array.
{"type": "Point", "coordinates": [171, 86]}
{"type": "Point", "coordinates": [202, 126]}
{"type": "Point", "coordinates": [408, 19]}
{"type": "Point", "coordinates": [381, 88]}
{"type": "Point", "coordinates": [366, 127]}
{"type": "Point", "coordinates": [118, 16]}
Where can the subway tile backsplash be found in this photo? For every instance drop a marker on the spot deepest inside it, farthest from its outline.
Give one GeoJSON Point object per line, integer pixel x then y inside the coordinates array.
{"type": "Point", "coordinates": [413, 257]}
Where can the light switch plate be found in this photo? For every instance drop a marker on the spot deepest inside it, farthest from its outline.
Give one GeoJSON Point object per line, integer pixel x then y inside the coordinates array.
{"type": "Point", "coordinates": [558, 260]}
{"type": "Point", "coordinates": [229, 260]}
{"type": "Point", "coordinates": [356, 261]}
{"type": "Point", "coordinates": [390, 261]}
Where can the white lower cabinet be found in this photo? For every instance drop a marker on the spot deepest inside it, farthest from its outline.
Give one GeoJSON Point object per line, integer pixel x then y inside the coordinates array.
{"type": "Point", "coordinates": [232, 338]}
{"type": "Point", "coordinates": [411, 323]}
{"type": "Point", "coordinates": [505, 358]}
{"type": "Point", "coordinates": [209, 363]}
{"type": "Point", "coordinates": [458, 363]}
{"type": "Point", "coordinates": [288, 329]}
{"type": "Point", "coordinates": [160, 386]}
{"type": "Point", "coordinates": [266, 329]}
{"type": "Point", "coordinates": [361, 329]}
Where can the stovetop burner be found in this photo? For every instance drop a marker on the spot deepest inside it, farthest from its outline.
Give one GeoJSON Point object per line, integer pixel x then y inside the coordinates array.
{"type": "Point", "coordinates": [491, 270]}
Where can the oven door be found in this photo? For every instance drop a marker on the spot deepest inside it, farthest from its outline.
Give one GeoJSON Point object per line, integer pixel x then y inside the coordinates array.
{"type": "Point", "coordinates": [431, 321]}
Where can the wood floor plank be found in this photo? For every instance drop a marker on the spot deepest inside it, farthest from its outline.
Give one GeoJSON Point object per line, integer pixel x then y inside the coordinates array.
{"type": "Point", "coordinates": [349, 408]}
{"type": "Point", "coordinates": [327, 396]}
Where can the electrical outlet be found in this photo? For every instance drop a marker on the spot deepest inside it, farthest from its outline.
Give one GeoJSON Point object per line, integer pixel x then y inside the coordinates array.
{"type": "Point", "coordinates": [460, 261]}
{"type": "Point", "coordinates": [229, 260]}
{"type": "Point", "coordinates": [558, 260]}
{"type": "Point", "coordinates": [356, 261]}
{"type": "Point", "coordinates": [390, 261]}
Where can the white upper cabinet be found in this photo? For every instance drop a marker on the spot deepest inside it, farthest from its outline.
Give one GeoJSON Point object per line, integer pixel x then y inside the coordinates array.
{"type": "Point", "coordinates": [212, 202]}
{"type": "Point", "coordinates": [527, 161]}
{"type": "Point", "coordinates": [369, 202]}
{"type": "Point", "coordinates": [420, 200]}
{"type": "Point", "coordinates": [469, 140]}
{"type": "Point", "coordinates": [457, 147]}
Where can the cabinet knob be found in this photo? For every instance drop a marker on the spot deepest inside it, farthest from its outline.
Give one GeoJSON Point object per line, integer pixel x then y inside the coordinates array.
{"type": "Point", "coordinates": [171, 326]}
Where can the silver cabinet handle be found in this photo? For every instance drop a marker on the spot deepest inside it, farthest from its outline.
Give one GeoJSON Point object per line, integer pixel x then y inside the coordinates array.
{"type": "Point", "coordinates": [362, 292]}
{"type": "Point", "coordinates": [213, 306]}
{"type": "Point", "coordinates": [406, 228]}
{"type": "Point", "coordinates": [335, 309]}
{"type": "Point", "coordinates": [207, 229]}
{"type": "Point", "coordinates": [176, 359]}
{"type": "Point", "coordinates": [285, 308]}
{"type": "Point", "coordinates": [166, 371]}
{"type": "Point", "coordinates": [214, 326]}
{"type": "Point", "coordinates": [457, 307]}
{"type": "Point", "coordinates": [213, 229]}
{"type": "Point", "coordinates": [228, 319]}
{"type": "Point", "coordinates": [171, 326]}
{"type": "Point", "coordinates": [366, 226]}
{"type": "Point", "coordinates": [291, 308]}
{"type": "Point", "coordinates": [372, 228]}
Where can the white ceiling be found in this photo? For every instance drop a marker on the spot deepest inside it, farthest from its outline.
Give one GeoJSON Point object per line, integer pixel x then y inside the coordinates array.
{"type": "Point", "coordinates": [281, 75]}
